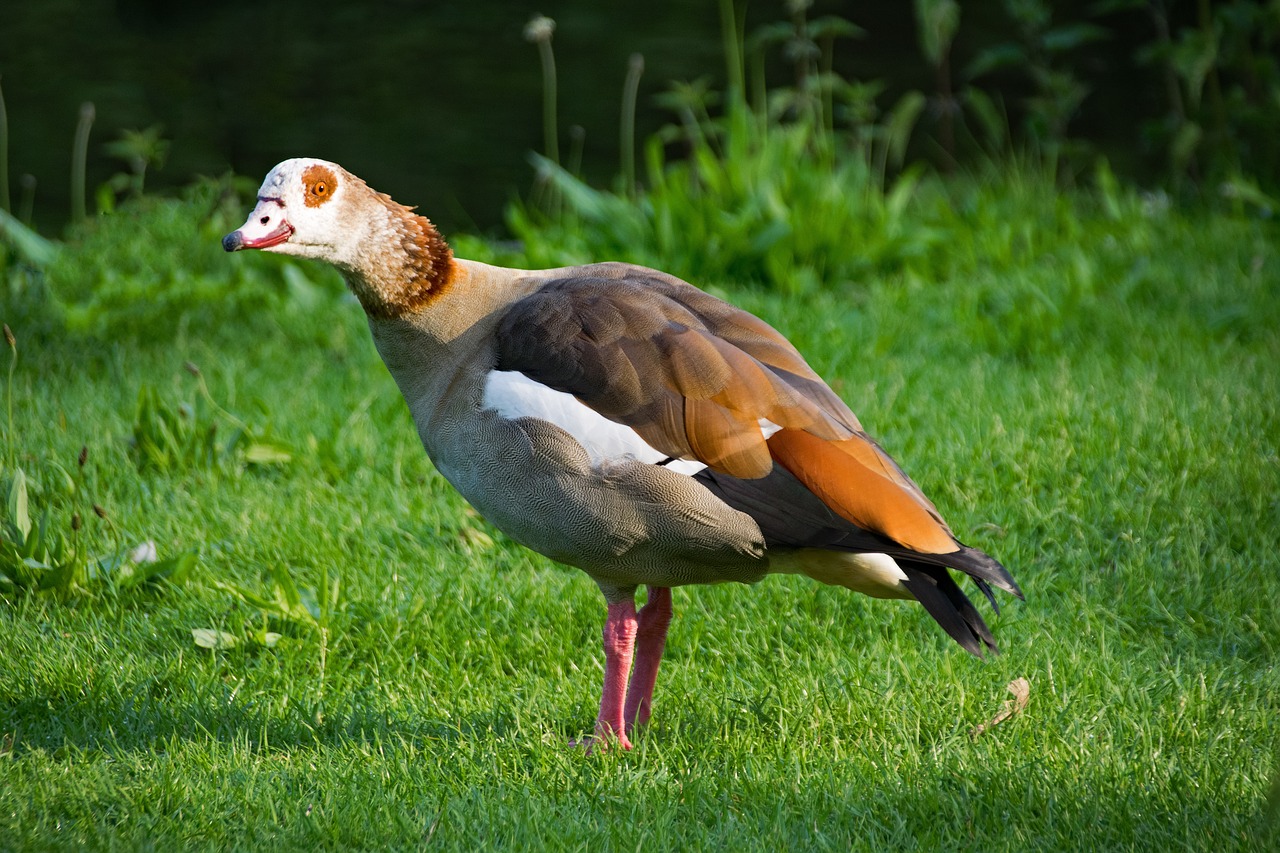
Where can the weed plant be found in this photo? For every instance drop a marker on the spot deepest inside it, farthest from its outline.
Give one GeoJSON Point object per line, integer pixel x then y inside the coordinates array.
{"type": "Point", "coordinates": [770, 193]}
{"type": "Point", "coordinates": [198, 432]}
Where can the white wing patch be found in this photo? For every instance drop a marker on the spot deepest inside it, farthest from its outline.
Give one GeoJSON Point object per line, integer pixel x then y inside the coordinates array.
{"type": "Point", "coordinates": [514, 395]}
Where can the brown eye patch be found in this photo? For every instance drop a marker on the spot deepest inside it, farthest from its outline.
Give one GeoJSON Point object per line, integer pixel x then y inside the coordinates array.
{"type": "Point", "coordinates": [318, 183]}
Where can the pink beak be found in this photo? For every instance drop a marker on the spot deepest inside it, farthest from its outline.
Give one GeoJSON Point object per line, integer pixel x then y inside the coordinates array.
{"type": "Point", "coordinates": [235, 241]}
{"type": "Point", "coordinates": [254, 234]}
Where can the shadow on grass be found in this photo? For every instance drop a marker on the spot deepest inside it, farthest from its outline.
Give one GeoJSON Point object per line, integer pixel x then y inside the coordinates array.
{"type": "Point", "coordinates": [146, 721]}
{"type": "Point", "coordinates": [1037, 805]}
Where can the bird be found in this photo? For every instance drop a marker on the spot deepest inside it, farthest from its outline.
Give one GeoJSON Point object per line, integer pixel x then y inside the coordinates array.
{"type": "Point", "coordinates": [620, 420]}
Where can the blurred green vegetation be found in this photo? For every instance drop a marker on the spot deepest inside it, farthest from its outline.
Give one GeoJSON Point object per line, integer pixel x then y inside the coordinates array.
{"type": "Point", "coordinates": [793, 176]}
{"type": "Point", "coordinates": [439, 103]}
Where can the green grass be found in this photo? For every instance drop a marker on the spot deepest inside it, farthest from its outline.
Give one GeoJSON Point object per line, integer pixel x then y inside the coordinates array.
{"type": "Point", "coordinates": [1087, 388]}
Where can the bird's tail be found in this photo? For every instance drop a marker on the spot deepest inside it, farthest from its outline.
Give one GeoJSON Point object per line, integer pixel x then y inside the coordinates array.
{"type": "Point", "coordinates": [929, 580]}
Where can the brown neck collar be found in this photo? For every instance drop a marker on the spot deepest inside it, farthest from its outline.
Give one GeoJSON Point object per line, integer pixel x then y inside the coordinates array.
{"type": "Point", "coordinates": [409, 265]}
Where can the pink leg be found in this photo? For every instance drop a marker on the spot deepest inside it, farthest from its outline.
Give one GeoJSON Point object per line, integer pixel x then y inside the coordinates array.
{"type": "Point", "coordinates": [651, 639]}
{"type": "Point", "coordinates": [619, 641]}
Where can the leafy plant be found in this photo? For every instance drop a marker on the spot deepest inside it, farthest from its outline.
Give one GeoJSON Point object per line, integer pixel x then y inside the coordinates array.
{"type": "Point", "coordinates": [286, 601]}
{"type": "Point", "coordinates": [41, 557]}
{"type": "Point", "coordinates": [113, 282]}
{"type": "Point", "coordinates": [169, 437]}
{"type": "Point", "coordinates": [34, 556]}
{"type": "Point", "coordinates": [140, 150]}
{"type": "Point", "coordinates": [1222, 85]}
{"type": "Point", "coordinates": [817, 152]}
{"type": "Point", "coordinates": [808, 47]}
{"type": "Point", "coordinates": [937, 23]}
{"type": "Point", "coordinates": [1041, 52]}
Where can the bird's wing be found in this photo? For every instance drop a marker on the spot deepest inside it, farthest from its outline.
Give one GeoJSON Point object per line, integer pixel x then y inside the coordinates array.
{"type": "Point", "coordinates": [697, 378]}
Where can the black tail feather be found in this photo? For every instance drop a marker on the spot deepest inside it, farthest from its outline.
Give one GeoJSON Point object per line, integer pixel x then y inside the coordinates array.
{"type": "Point", "coordinates": [934, 588]}
{"type": "Point", "coordinates": [977, 564]}
{"type": "Point", "coordinates": [790, 516]}
{"type": "Point", "coordinates": [991, 596]}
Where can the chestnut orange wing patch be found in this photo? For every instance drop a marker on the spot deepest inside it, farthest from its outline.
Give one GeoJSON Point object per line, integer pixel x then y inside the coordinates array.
{"type": "Point", "coordinates": [859, 482]}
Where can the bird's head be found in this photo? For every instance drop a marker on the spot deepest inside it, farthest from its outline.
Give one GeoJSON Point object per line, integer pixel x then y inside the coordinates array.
{"type": "Point", "coordinates": [307, 208]}
{"type": "Point", "coordinates": [394, 260]}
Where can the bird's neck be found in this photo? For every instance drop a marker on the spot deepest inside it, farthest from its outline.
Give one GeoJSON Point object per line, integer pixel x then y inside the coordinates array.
{"type": "Point", "coordinates": [440, 356]}
{"type": "Point", "coordinates": [405, 264]}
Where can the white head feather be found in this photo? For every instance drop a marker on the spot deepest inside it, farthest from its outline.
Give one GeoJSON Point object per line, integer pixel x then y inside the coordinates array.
{"type": "Point", "coordinates": [305, 208]}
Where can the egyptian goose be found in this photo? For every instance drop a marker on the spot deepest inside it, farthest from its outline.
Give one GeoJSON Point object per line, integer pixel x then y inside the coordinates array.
{"type": "Point", "coordinates": [617, 419]}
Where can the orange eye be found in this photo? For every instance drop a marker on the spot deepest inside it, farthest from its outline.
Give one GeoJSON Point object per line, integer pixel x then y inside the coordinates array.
{"type": "Point", "coordinates": [318, 185]}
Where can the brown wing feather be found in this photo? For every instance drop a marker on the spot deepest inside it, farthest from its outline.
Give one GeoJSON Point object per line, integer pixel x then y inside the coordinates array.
{"type": "Point", "coordinates": [694, 376]}
{"type": "Point", "coordinates": [859, 482]}
{"type": "Point", "coordinates": [726, 440]}
{"type": "Point", "coordinates": [690, 373]}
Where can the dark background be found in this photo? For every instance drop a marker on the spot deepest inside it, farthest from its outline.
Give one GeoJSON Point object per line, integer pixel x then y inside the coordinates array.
{"type": "Point", "coordinates": [439, 103]}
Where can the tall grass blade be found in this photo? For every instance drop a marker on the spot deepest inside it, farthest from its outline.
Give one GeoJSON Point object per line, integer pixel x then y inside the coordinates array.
{"type": "Point", "coordinates": [539, 31]}
{"type": "Point", "coordinates": [8, 391]}
{"type": "Point", "coordinates": [79, 161]}
{"type": "Point", "coordinates": [627, 131]}
{"type": "Point", "coordinates": [19, 516]}
{"type": "Point", "coordinates": [30, 246]}
{"type": "Point", "coordinates": [4, 154]}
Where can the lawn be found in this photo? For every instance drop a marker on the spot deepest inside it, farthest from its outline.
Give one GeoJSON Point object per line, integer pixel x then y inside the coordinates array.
{"type": "Point", "coordinates": [1086, 384]}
